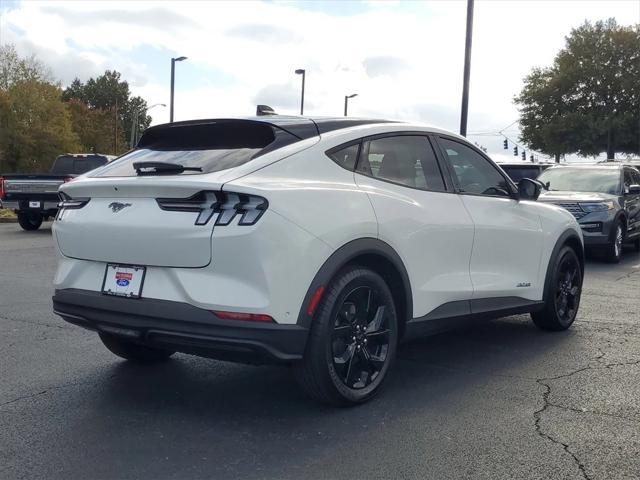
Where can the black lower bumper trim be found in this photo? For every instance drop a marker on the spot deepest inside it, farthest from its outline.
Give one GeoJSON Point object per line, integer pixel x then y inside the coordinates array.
{"type": "Point", "coordinates": [181, 327]}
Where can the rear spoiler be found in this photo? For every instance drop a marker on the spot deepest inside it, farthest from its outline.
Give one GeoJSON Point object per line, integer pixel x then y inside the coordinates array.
{"type": "Point", "coordinates": [232, 132]}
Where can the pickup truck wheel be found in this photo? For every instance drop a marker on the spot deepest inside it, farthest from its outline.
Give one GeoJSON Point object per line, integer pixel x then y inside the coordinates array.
{"type": "Point", "coordinates": [562, 297]}
{"type": "Point", "coordinates": [133, 351]}
{"type": "Point", "coordinates": [352, 342]}
{"type": "Point", "coordinates": [29, 221]}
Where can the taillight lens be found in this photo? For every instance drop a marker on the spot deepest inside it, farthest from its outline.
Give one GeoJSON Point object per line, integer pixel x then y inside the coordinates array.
{"type": "Point", "coordinates": [226, 204]}
{"type": "Point", "coordinates": [1, 187]}
{"type": "Point", "coordinates": [68, 203]}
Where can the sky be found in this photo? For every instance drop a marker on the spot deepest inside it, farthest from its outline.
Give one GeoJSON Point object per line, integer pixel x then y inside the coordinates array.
{"type": "Point", "coordinates": [404, 59]}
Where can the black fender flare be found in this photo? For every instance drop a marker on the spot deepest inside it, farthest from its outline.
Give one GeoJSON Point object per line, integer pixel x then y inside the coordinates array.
{"type": "Point", "coordinates": [568, 235]}
{"type": "Point", "coordinates": [342, 256]}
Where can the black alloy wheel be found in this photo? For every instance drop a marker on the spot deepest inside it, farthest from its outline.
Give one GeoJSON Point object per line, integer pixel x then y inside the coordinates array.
{"type": "Point", "coordinates": [361, 335]}
{"type": "Point", "coordinates": [352, 341]}
{"type": "Point", "coordinates": [563, 291]}
{"type": "Point", "coordinates": [568, 289]}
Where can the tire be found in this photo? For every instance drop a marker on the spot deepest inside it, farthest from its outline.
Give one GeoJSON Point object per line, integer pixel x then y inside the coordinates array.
{"type": "Point", "coordinates": [133, 351]}
{"type": "Point", "coordinates": [352, 342]}
{"type": "Point", "coordinates": [613, 252]}
{"type": "Point", "coordinates": [562, 295]}
{"type": "Point", "coordinates": [29, 221]}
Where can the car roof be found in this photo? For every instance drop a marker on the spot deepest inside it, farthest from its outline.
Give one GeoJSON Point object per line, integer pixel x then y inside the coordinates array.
{"type": "Point", "coordinates": [523, 164]}
{"type": "Point", "coordinates": [303, 127]}
{"type": "Point", "coordinates": [591, 166]}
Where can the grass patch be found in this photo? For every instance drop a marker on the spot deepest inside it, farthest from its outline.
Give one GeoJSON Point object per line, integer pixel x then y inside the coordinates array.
{"type": "Point", "coordinates": [4, 213]}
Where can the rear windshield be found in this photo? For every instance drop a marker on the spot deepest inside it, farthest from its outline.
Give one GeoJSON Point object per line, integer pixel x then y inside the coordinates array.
{"type": "Point", "coordinates": [210, 147]}
{"type": "Point", "coordinates": [72, 165]}
{"type": "Point", "coordinates": [517, 173]}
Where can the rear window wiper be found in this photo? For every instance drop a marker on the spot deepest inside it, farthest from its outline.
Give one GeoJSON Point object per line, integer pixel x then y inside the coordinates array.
{"type": "Point", "coordinates": [159, 168]}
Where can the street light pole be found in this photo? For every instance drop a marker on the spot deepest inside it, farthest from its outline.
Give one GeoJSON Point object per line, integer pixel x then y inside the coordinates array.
{"type": "Point", "coordinates": [134, 125]}
{"type": "Point", "coordinates": [346, 102]}
{"type": "Point", "coordinates": [173, 76]}
{"type": "Point", "coordinates": [302, 71]}
{"type": "Point", "coordinates": [467, 70]}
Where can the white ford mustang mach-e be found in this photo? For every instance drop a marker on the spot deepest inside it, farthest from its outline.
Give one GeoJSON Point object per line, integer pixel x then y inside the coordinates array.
{"type": "Point", "coordinates": [318, 243]}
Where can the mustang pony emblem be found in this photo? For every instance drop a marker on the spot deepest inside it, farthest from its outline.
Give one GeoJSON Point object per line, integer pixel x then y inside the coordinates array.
{"type": "Point", "coordinates": [117, 206]}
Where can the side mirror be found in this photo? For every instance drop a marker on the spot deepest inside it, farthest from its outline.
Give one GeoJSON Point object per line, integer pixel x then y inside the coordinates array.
{"type": "Point", "coordinates": [634, 189]}
{"type": "Point", "coordinates": [529, 189]}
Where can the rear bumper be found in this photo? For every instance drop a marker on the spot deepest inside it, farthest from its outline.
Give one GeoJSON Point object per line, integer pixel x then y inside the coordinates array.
{"type": "Point", "coordinates": [181, 327]}
{"type": "Point", "coordinates": [24, 205]}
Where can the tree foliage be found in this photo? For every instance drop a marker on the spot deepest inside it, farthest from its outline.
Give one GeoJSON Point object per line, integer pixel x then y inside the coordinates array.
{"type": "Point", "coordinates": [35, 126]}
{"type": "Point", "coordinates": [588, 101]}
{"type": "Point", "coordinates": [38, 121]}
{"type": "Point", "coordinates": [109, 93]}
{"type": "Point", "coordinates": [14, 69]}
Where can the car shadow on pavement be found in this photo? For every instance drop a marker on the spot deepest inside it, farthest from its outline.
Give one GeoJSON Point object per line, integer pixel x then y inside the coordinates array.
{"type": "Point", "coordinates": [211, 390]}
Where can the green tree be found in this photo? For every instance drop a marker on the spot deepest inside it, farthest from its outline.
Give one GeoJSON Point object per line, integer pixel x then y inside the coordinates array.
{"type": "Point", "coordinates": [35, 126]}
{"type": "Point", "coordinates": [14, 69]}
{"type": "Point", "coordinates": [110, 92]}
{"type": "Point", "coordinates": [95, 127]}
{"type": "Point", "coordinates": [588, 101]}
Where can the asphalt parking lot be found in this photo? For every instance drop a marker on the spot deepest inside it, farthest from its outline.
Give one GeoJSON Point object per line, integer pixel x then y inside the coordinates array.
{"type": "Point", "coordinates": [497, 400]}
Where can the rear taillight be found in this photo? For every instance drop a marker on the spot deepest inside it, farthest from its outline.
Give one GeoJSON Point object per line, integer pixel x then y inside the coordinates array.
{"type": "Point", "coordinates": [226, 204]}
{"type": "Point", "coordinates": [68, 203]}
{"type": "Point", "coordinates": [1, 187]}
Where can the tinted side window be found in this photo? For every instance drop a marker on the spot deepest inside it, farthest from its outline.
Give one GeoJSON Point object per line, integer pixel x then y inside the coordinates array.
{"type": "Point", "coordinates": [628, 177]}
{"type": "Point", "coordinates": [406, 159]}
{"type": "Point", "coordinates": [475, 174]}
{"type": "Point", "coordinates": [345, 157]}
{"type": "Point", "coordinates": [635, 177]}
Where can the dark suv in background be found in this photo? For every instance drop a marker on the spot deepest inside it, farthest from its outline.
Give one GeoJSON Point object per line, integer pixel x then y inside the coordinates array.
{"type": "Point", "coordinates": [519, 170]}
{"type": "Point", "coordinates": [604, 198]}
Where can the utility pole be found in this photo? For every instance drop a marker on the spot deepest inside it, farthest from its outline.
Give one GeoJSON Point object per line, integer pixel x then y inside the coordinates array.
{"type": "Point", "coordinates": [467, 70]}
{"type": "Point", "coordinates": [115, 130]}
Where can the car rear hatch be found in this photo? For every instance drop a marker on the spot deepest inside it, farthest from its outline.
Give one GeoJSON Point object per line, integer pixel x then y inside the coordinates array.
{"type": "Point", "coordinates": [155, 205]}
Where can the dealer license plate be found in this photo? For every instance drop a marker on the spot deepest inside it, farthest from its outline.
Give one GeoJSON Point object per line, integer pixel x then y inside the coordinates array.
{"type": "Point", "coordinates": [123, 280]}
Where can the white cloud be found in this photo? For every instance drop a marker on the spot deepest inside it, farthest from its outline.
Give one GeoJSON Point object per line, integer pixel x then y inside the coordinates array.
{"type": "Point", "coordinates": [404, 59]}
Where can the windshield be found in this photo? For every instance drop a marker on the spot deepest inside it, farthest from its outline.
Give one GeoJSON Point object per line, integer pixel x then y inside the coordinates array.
{"type": "Point", "coordinates": [600, 180]}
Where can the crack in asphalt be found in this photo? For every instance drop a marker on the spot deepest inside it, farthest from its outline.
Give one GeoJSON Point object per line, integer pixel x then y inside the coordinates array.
{"type": "Point", "coordinates": [627, 275]}
{"type": "Point", "coordinates": [537, 415]}
{"type": "Point", "coordinates": [50, 389]}
{"type": "Point", "coordinates": [547, 403]}
{"type": "Point", "coordinates": [63, 327]}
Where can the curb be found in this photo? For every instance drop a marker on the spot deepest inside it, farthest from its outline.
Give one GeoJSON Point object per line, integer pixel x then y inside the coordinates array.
{"type": "Point", "coordinates": [8, 220]}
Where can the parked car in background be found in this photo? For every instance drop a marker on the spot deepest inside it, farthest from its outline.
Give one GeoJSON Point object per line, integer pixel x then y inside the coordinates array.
{"type": "Point", "coordinates": [519, 170]}
{"type": "Point", "coordinates": [34, 197]}
{"type": "Point", "coordinates": [604, 198]}
{"type": "Point", "coordinates": [316, 243]}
